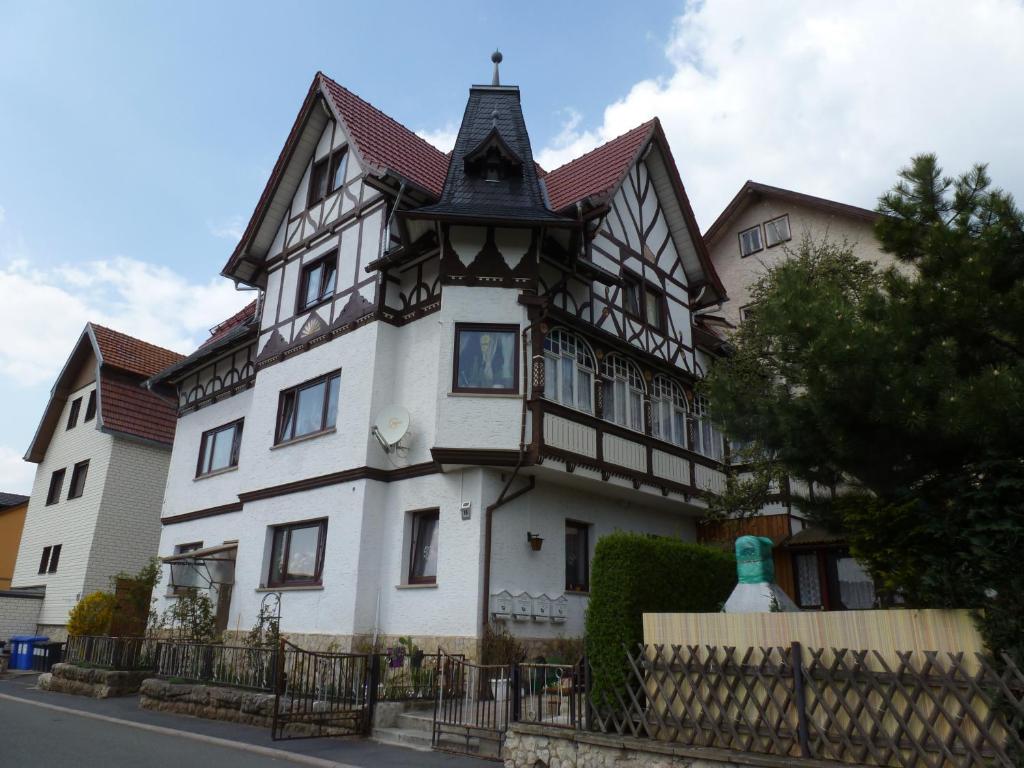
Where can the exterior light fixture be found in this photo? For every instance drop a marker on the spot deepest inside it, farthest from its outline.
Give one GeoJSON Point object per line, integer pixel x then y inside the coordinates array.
{"type": "Point", "coordinates": [535, 541]}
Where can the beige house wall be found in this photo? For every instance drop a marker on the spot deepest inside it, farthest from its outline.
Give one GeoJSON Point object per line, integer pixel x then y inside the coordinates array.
{"type": "Point", "coordinates": [739, 273]}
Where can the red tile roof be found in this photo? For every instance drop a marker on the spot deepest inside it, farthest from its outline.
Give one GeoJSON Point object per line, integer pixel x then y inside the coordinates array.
{"type": "Point", "coordinates": [219, 331]}
{"type": "Point", "coordinates": [598, 171]}
{"type": "Point", "coordinates": [129, 408]}
{"type": "Point", "coordinates": [130, 354]}
{"type": "Point", "coordinates": [386, 143]}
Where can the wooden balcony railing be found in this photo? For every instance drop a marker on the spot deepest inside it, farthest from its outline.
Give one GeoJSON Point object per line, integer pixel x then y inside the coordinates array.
{"type": "Point", "coordinates": [580, 439]}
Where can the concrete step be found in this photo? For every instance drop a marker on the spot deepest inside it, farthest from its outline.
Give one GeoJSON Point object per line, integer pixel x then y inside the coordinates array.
{"type": "Point", "coordinates": [400, 737]}
{"type": "Point", "coordinates": [416, 721]}
{"type": "Point", "coordinates": [420, 740]}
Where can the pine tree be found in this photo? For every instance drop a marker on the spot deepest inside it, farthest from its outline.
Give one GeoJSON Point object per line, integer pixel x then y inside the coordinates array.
{"type": "Point", "coordinates": [902, 390]}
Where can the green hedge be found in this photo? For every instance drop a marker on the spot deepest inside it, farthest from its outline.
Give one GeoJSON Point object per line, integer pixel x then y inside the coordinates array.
{"type": "Point", "coordinates": [633, 574]}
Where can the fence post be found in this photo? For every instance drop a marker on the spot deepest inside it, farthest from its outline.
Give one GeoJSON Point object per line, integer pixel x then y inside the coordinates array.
{"type": "Point", "coordinates": [588, 722]}
{"type": "Point", "coordinates": [516, 702]}
{"type": "Point", "coordinates": [374, 683]}
{"type": "Point", "coordinates": [799, 698]}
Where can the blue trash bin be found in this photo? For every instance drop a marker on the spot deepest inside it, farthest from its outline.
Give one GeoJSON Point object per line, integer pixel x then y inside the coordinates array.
{"type": "Point", "coordinates": [22, 648]}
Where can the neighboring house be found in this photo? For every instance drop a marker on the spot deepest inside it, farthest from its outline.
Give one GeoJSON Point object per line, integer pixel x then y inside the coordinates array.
{"type": "Point", "coordinates": [757, 230]}
{"type": "Point", "coordinates": [12, 520]}
{"type": "Point", "coordinates": [102, 447]}
{"type": "Point", "coordinates": [761, 223]}
{"type": "Point", "coordinates": [535, 327]}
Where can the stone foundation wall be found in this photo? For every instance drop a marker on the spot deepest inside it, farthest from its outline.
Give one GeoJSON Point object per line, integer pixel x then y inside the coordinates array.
{"type": "Point", "coordinates": [470, 646]}
{"type": "Point", "coordinates": [534, 746]}
{"type": "Point", "coordinates": [56, 632]}
{"type": "Point", "coordinates": [96, 683]}
{"type": "Point", "coordinates": [214, 703]}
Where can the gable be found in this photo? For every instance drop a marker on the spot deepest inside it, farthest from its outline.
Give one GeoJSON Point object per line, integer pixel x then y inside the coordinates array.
{"type": "Point", "coordinates": [378, 144]}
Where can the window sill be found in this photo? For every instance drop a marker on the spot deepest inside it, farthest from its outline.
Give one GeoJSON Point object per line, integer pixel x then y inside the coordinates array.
{"type": "Point", "coordinates": [580, 592]}
{"type": "Point", "coordinates": [416, 586]}
{"type": "Point", "coordinates": [485, 393]}
{"type": "Point", "coordinates": [304, 438]}
{"type": "Point", "coordinates": [315, 305]}
{"type": "Point", "coordinates": [296, 588]}
{"type": "Point", "coordinates": [215, 473]}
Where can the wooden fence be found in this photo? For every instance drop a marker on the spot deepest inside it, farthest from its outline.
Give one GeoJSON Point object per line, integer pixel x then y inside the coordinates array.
{"type": "Point", "coordinates": [927, 710]}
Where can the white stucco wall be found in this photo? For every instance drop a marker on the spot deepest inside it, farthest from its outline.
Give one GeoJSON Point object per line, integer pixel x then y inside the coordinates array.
{"type": "Point", "coordinates": [70, 523]}
{"type": "Point", "coordinates": [544, 512]}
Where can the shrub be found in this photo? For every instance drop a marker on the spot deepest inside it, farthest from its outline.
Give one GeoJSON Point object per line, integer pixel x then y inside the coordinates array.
{"type": "Point", "coordinates": [633, 574]}
{"type": "Point", "coordinates": [92, 615]}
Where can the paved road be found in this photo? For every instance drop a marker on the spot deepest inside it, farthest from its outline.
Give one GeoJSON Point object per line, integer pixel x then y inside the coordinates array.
{"type": "Point", "coordinates": [33, 735]}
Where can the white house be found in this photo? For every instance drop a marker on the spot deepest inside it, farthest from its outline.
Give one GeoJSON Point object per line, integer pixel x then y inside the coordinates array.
{"type": "Point", "coordinates": [536, 329]}
{"type": "Point", "coordinates": [103, 447]}
{"type": "Point", "coordinates": [756, 231]}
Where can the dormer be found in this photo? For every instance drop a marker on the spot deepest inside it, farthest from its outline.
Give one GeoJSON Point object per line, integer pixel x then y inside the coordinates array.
{"type": "Point", "coordinates": [493, 159]}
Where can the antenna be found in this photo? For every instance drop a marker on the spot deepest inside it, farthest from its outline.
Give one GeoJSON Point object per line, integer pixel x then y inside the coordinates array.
{"type": "Point", "coordinates": [390, 426]}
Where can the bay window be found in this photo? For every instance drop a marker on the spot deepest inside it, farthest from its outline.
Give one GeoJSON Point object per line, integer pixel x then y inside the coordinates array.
{"type": "Point", "coordinates": [568, 371]}
{"type": "Point", "coordinates": [623, 393]}
{"type": "Point", "coordinates": [668, 411]}
{"type": "Point", "coordinates": [707, 440]}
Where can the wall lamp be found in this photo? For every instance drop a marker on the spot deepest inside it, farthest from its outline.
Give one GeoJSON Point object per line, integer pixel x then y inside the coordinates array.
{"type": "Point", "coordinates": [535, 541]}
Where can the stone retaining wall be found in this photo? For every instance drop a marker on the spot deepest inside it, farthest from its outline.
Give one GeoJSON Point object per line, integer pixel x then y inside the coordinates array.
{"type": "Point", "coordinates": [212, 702]}
{"type": "Point", "coordinates": [86, 681]}
{"type": "Point", "coordinates": [536, 746]}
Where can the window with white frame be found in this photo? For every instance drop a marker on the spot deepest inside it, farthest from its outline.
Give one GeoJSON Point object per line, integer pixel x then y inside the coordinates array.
{"type": "Point", "coordinates": [777, 231]}
{"type": "Point", "coordinates": [750, 241]}
{"type": "Point", "coordinates": [623, 393]}
{"type": "Point", "coordinates": [707, 440]}
{"type": "Point", "coordinates": [668, 411]}
{"type": "Point", "coordinates": [568, 371]}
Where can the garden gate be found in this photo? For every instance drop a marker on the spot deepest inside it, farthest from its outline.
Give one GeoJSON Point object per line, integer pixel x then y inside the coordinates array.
{"type": "Point", "coordinates": [472, 706]}
{"type": "Point", "coordinates": [323, 694]}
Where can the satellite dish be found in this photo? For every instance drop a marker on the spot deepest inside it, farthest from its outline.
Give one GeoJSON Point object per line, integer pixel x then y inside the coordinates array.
{"type": "Point", "coordinates": [390, 426]}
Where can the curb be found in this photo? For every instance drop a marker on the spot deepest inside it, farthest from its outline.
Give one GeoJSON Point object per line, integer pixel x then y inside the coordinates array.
{"type": "Point", "coordinates": [279, 754]}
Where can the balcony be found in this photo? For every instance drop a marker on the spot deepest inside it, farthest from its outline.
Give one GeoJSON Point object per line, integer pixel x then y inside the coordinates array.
{"type": "Point", "coordinates": [581, 440]}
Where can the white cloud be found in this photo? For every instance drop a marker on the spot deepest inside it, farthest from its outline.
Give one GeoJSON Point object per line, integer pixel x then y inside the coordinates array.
{"type": "Point", "coordinates": [442, 138]}
{"type": "Point", "coordinates": [230, 228]}
{"type": "Point", "coordinates": [16, 474]}
{"type": "Point", "coordinates": [826, 98]}
{"type": "Point", "coordinates": [45, 308]}
{"type": "Point", "coordinates": [3, 215]}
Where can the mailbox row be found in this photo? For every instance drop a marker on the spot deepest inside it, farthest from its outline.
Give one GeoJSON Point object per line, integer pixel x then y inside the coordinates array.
{"type": "Point", "coordinates": [522, 607]}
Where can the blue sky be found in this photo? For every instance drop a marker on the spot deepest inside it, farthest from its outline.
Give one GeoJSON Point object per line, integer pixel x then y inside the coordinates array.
{"type": "Point", "coordinates": [136, 137]}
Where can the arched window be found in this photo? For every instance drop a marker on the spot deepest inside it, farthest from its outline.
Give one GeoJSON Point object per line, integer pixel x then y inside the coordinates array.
{"type": "Point", "coordinates": [707, 440]}
{"type": "Point", "coordinates": [568, 371]}
{"type": "Point", "coordinates": [668, 411]}
{"type": "Point", "coordinates": [623, 392]}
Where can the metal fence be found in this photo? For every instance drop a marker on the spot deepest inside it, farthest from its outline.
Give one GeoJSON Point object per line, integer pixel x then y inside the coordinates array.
{"type": "Point", "coordinates": [126, 653]}
{"type": "Point", "coordinates": [550, 694]}
{"type": "Point", "coordinates": [409, 677]}
{"type": "Point", "coordinates": [927, 711]}
{"type": "Point", "coordinates": [472, 706]}
{"type": "Point", "coordinates": [234, 666]}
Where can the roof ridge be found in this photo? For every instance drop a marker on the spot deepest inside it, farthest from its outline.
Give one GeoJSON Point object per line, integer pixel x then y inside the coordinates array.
{"type": "Point", "coordinates": [599, 147]}
{"type": "Point", "coordinates": [135, 338]}
{"type": "Point", "coordinates": [378, 110]}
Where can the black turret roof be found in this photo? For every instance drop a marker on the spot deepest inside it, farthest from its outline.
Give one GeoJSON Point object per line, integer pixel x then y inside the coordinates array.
{"type": "Point", "coordinates": [517, 198]}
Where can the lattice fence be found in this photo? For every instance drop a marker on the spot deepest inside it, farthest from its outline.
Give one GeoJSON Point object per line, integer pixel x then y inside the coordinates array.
{"type": "Point", "coordinates": [929, 710]}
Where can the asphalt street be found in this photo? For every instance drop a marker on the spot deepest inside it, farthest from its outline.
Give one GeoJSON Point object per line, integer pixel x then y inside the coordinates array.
{"type": "Point", "coordinates": [41, 735]}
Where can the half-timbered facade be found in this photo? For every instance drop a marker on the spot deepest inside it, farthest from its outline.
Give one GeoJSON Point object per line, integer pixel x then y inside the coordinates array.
{"type": "Point", "coordinates": [536, 328]}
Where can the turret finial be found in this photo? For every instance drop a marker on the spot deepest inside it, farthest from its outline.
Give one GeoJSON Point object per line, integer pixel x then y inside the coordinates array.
{"type": "Point", "coordinates": [496, 58]}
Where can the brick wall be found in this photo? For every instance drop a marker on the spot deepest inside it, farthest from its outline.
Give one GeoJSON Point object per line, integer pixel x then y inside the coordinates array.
{"type": "Point", "coordinates": [18, 614]}
{"type": "Point", "coordinates": [128, 527]}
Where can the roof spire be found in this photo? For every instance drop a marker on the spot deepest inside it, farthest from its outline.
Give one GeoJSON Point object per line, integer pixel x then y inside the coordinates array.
{"type": "Point", "coordinates": [496, 58]}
